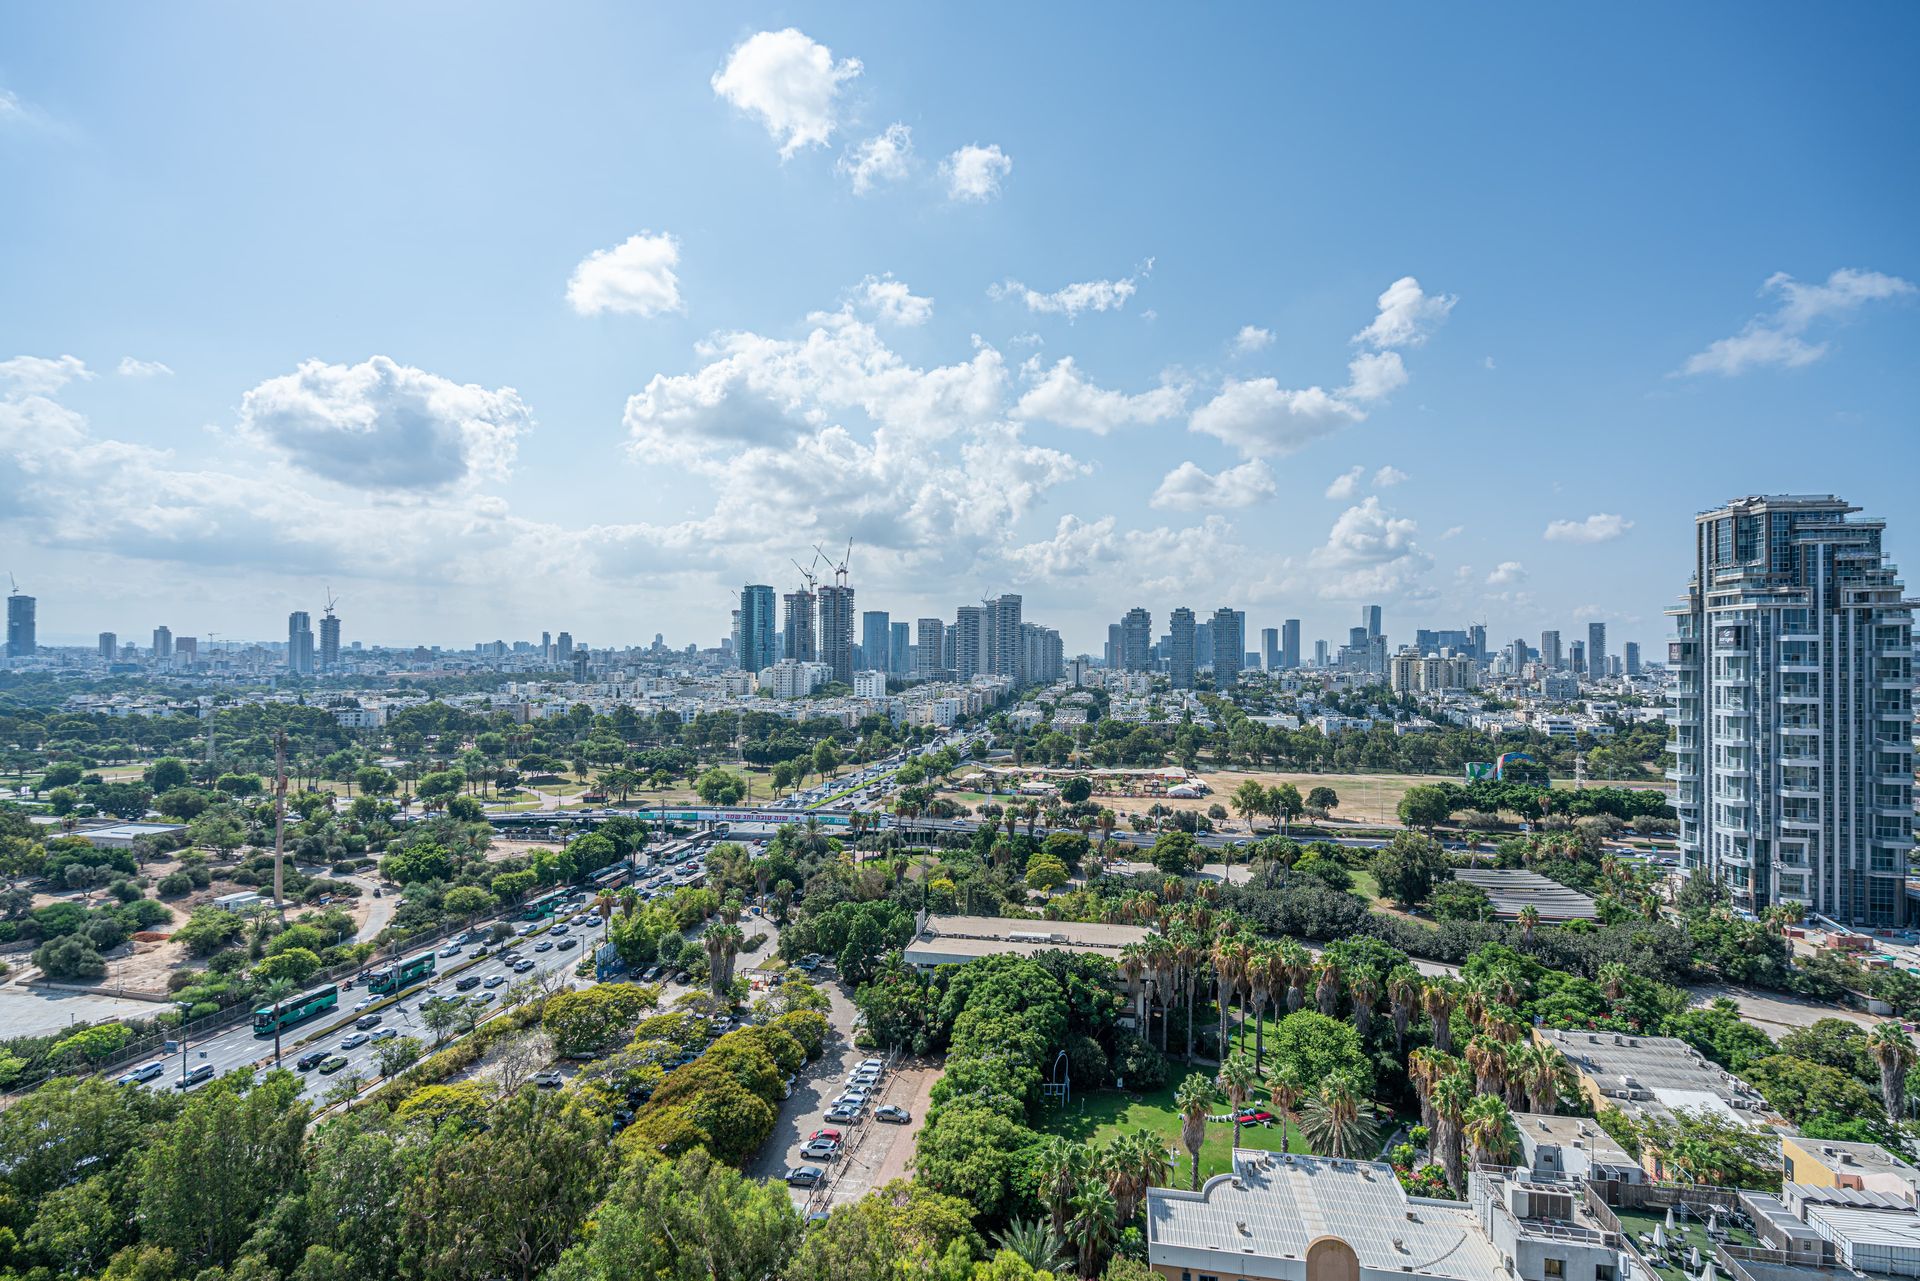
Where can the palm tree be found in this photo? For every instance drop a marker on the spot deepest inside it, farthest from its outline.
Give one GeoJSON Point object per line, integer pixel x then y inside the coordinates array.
{"type": "Point", "coordinates": [1132, 1163]}
{"type": "Point", "coordinates": [1452, 1096]}
{"type": "Point", "coordinates": [1061, 1167]}
{"type": "Point", "coordinates": [1262, 976]}
{"type": "Point", "coordinates": [1403, 998]}
{"type": "Point", "coordinates": [1894, 1053]}
{"type": "Point", "coordinates": [1192, 1100]}
{"type": "Point", "coordinates": [1529, 922]}
{"type": "Point", "coordinates": [1338, 1119]}
{"type": "Point", "coordinates": [1189, 952]}
{"type": "Point", "coordinates": [1037, 1244]}
{"type": "Point", "coordinates": [1364, 988]}
{"type": "Point", "coordinates": [1613, 979]}
{"type": "Point", "coordinates": [1299, 963]}
{"type": "Point", "coordinates": [1227, 955]}
{"type": "Point", "coordinates": [276, 992]}
{"type": "Point", "coordinates": [1286, 1091]}
{"type": "Point", "coordinates": [1489, 1130]}
{"type": "Point", "coordinates": [1091, 1229]}
{"type": "Point", "coordinates": [1488, 1059]}
{"type": "Point", "coordinates": [1326, 987]}
{"type": "Point", "coordinates": [1236, 1080]}
{"type": "Point", "coordinates": [1441, 997]}
{"type": "Point", "coordinates": [1543, 1073]}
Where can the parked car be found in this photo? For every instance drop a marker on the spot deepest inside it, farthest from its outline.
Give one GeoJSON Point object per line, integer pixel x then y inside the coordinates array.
{"type": "Point", "coordinates": [843, 1115]}
{"type": "Point", "coordinates": [145, 1072]}
{"type": "Point", "coordinates": [310, 1060]}
{"type": "Point", "coordinates": [897, 1115]}
{"type": "Point", "coordinates": [820, 1150]}
{"type": "Point", "coordinates": [855, 1097]}
{"type": "Point", "coordinates": [833, 1135]}
{"type": "Point", "coordinates": [549, 1079]}
{"type": "Point", "coordinates": [1255, 1116]}
{"type": "Point", "coordinates": [805, 1176]}
{"type": "Point", "coordinates": [329, 1066]}
{"type": "Point", "coordinates": [653, 972]}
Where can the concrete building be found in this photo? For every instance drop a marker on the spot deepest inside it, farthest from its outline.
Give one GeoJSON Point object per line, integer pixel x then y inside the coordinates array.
{"type": "Point", "coordinates": [1837, 1163]}
{"type": "Point", "coordinates": [797, 626]}
{"type": "Point", "coordinates": [1577, 657]}
{"type": "Point", "coordinates": [1630, 658]}
{"type": "Point", "coordinates": [932, 645]}
{"type": "Point", "coordinates": [563, 647]}
{"type": "Point", "coordinates": [900, 658]}
{"type": "Point", "coordinates": [870, 684]}
{"type": "Point", "coordinates": [1270, 648]}
{"type": "Point", "coordinates": [1817, 1233]}
{"type": "Point", "coordinates": [1180, 648]}
{"type": "Point", "coordinates": [1229, 646]}
{"type": "Point", "coordinates": [790, 679]}
{"type": "Point", "coordinates": [876, 640]}
{"type": "Point", "coordinates": [163, 644]}
{"type": "Point", "coordinates": [1136, 640]}
{"type": "Point", "coordinates": [1573, 1147]}
{"type": "Point", "coordinates": [969, 642]}
{"type": "Point", "coordinates": [23, 640]}
{"type": "Point", "coordinates": [755, 644]}
{"type": "Point", "coordinates": [1542, 1228]}
{"type": "Point", "coordinates": [1550, 654]}
{"type": "Point", "coordinates": [329, 640]}
{"type": "Point", "coordinates": [955, 940]}
{"type": "Point", "coordinates": [299, 643]}
{"type": "Point", "coordinates": [109, 646]}
{"type": "Point", "coordinates": [1006, 655]}
{"type": "Point", "coordinates": [836, 631]}
{"type": "Point", "coordinates": [1290, 643]}
{"type": "Point", "coordinates": [1596, 650]}
{"type": "Point", "coordinates": [1320, 654]}
{"type": "Point", "coordinates": [1791, 710]}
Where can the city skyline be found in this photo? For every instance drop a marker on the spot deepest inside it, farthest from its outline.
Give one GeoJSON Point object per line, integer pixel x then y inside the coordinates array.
{"type": "Point", "coordinates": [1239, 382]}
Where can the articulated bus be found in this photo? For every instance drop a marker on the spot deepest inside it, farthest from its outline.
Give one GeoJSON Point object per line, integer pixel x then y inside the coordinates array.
{"type": "Point", "coordinates": [296, 1009]}
{"type": "Point", "coordinates": [394, 977]}
{"type": "Point", "coordinates": [549, 904]}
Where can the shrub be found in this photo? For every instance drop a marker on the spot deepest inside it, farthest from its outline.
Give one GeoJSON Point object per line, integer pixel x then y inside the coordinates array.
{"type": "Point", "coordinates": [70, 958]}
{"type": "Point", "coordinates": [175, 884]}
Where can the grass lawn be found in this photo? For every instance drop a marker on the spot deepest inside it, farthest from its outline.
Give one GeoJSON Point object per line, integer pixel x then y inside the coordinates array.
{"type": "Point", "coordinates": [1100, 1114]}
{"type": "Point", "coordinates": [1366, 886]}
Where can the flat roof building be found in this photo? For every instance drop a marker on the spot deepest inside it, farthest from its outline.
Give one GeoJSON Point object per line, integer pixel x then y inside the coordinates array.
{"type": "Point", "coordinates": [955, 940]}
{"type": "Point", "coordinates": [1512, 889]}
{"type": "Point", "coordinates": [1837, 1163]}
{"type": "Point", "coordinates": [1573, 1147]}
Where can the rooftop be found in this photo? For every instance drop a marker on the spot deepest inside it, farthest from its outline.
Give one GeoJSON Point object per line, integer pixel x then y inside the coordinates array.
{"type": "Point", "coordinates": [1656, 1075]}
{"type": "Point", "coordinates": [1571, 1132]}
{"type": "Point", "coordinates": [1511, 889]}
{"type": "Point", "coordinates": [947, 940]}
{"type": "Point", "coordinates": [1259, 1221]}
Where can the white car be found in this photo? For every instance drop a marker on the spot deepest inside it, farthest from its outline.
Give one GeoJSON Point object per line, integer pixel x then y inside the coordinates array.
{"type": "Point", "coordinates": [145, 1072]}
{"type": "Point", "coordinates": [355, 1041]}
{"type": "Point", "coordinates": [854, 1098]}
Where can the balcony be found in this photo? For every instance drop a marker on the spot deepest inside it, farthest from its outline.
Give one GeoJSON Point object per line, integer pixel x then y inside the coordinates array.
{"type": "Point", "coordinates": [1800, 823]}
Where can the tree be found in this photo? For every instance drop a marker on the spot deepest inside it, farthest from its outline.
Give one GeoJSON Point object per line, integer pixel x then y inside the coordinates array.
{"type": "Point", "coordinates": [292, 965]}
{"type": "Point", "coordinates": [1249, 801]}
{"type": "Point", "coordinates": [397, 1055]}
{"type": "Point", "coordinates": [166, 774]}
{"type": "Point", "coordinates": [1173, 853]}
{"type": "Point", "coordinates": [71, 957]}
{"type": "Point", "coordinates": [1236, 1080]}
{"type": "Point", "coordinates": [1408, 867]}
{"type": "Point", "coordinates": [468, 900]}
{"type": "Point", "coordinates": [1312, 1046]}
{"type": "Point", "coordinates": [1077, 790]}
{"type": "Point", "coordinates": [973, 1153]}
{"type": "Point", "coordinates": [596, 1019]}
{"type": "Point", "coordinates": [1489, 1131]}
{"type": "Point", "coordinates": [1322, 801]}
{"type": "Point", "coordinates": [1338, 1120]}
{"type": "Point", "coordinates": [690, 1219]}
{"type": "Point", "coordinates": [1892, 1050]}
{"type": "Point", "coordinates": [208, 1174]}
{"type": "Point", "coordinates": [720, 787]}
{"type": "Point", "coordinates": [1192, 1101]}
{"type": "Point", "coordinates": [1425, 807]}
{"type": "Point", "coordinates": [91, 1044]}
{"type": "Point", "coordinates": [1045, 873]}
{"type": "Point", "coordinates": [894, 1232]}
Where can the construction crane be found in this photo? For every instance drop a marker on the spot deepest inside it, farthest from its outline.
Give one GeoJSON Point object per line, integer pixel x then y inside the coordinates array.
{"type": "Point", "coordinates": [332, 600]}
{"type": "Point", "coordinates": [806, 572]}
{"type": "Point", "coordinates": [840, 570]}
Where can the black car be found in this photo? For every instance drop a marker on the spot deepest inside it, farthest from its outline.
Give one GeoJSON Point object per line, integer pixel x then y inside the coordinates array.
{"type": "Point", "coordinates": [468, 982]}
{"type": "Point", "coordinates": [311, 1060]}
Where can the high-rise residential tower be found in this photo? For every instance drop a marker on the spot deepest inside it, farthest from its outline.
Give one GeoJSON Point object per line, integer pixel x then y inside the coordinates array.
{"type": "Point", "coordinates": [836, 631]}
{"type": "Point", "coordinates": [1290, 643]}
{"type": "Point", "coordinates": [969, 640]}
{"type": "Point", "coordinates": [23, 639]}
{"type": "Point", "coordinates": [1270, 648]}
{"type": "Point", "coordinates": [299, 643]}
{"type": "Point", "coordinates": [802, 645]}
{"type": "Point", "coordinates": [1007, 657]}
{"type": "Point", "coordinates": [930, 650]}
{"type": "Point", "coordinates": [162, 644]}
{"type": "Point", "coordinates": [563, 647]}
{"type": "Point", "coordinates": [1136, 640]}
{"type": "Point", "coordinates": [1550, 650]}
{"type": "Point", "coordinates": [756, 628]}
{"type": "Point", "coordinates": [1596, 650]}
{"type": "Point", "coordinates": [329, 640]}
{"type": "Point", "coordinates": [876, 641]}
{"type": "Point", "coordinates": [1792, 710]}
{"type": "Point", "coordinates": [1229, 646]}
{"type": "Point", "coordinates": [1630, 658]}
{"type": "Point", "coordinates": [1180, 648]}
{"type": "Point", "coordinates": [109, 646]}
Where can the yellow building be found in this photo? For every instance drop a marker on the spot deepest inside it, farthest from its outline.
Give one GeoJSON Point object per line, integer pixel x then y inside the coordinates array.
{"type": "Point", "coordinates": [1863, 1167]}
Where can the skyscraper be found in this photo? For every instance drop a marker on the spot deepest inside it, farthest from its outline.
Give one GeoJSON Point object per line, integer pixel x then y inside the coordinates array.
{"type": "Point", "coordinates": [1136, 640]}
{"type": "Point", "coordinates": [329, 640]}
{"type": "Point", "coordinates": [802, 646]}
{"type": "Point", "coordinates": [1550, 650]}
{"type": "Point", "coordinates": [900, 661]}
{"type": "Point", "coordinates": [1630, 657]}
{"type": "Point", "coordinates": [109, 646]}
{"type": "Point", "coordinates": [876, 640]}
{"type": "Point", "coordinates": [1320, 654]}
{"type": "Point", "coordinates": [931, 647]}
{"type": "Point", "coordinates": [968, 641]}
{"type": "Point", "coordinates": [22, 629]}
{"type": "Point", "coordinates": [1270, 648]}
{"type": "Point", "coordinates": [1180, 648]}
{"type": "Point", "coordinates": [1477, 641]}
{"type": "Point", "coordinates": [1577, 657]}
{"type": "Point", "coordinates": [563, 647]}
{"type": "Point", "coordinates": [299, 643]}
{"type": "Point", "coordinates": [1116, 645]}
{"type": "Point", "coordinates": [162, 644]}
{"type": "Point", "coordinates": [836, 631]}
{"type": "Point", "coordinates": [1791, 717]}
{"type": "Point", "coordinates": [1009, 659]}
{"type": "Point", "coordinates": [756, 628]}
{"type": "Point", "coordinates": [1370, 619]}
{"type": "Point", "coordinates": [1596, 650]}
{"type": "Point", "coordinates": [1290, 643]}
{"type": "Point", "coordinates": [1229, 646]}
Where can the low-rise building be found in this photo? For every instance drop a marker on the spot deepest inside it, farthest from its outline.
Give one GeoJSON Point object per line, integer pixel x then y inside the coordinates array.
{"type": "Point", "coordinates": [1836, 1163]}
{"type": "Point", "coordinates": [1573, 1147]}
{"type": "Point", "coordinates": [955, 940]}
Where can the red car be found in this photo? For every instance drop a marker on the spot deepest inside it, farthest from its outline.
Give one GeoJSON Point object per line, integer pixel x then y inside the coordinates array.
{"type": "Point", "coordinates": [1256, 1116]}
{"type": "Point", "coordinates": [834, 1135]}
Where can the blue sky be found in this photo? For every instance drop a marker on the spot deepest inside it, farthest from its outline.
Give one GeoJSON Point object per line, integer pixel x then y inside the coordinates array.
{"type": "Point", "coordinates": [502, 318]}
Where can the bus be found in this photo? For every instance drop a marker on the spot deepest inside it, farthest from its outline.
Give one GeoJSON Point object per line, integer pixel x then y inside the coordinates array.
{"type": "Point", "coordinates": [395, 977]}
{"type": "Point", "coordinates": [296, 1009]}
{"type": "Point", "coordinates": [610, 878]}
{"type": "Point", "coordinates": [548, 904]}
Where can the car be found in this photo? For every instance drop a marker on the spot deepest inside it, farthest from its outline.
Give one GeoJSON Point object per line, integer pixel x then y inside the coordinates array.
{"type": "Point", "coordinates": [1254, 1116]}
{"type": "Point", "coordinates": [894, 1114]}
{"type": "Point", "coordinates": [385, 1034]}
{"type": "Point", "coordinates": [354, 1040]}
{"type": "Point", "coordinates": [329, 1066]}
{"type": "Point", "coordinates": [145, 1072]}
{"type": "Point", "coordinates": [680, 976]}
{"type": "Point", "coordinates": [451, 949]}
{"type": "Point", "coordinates": [544, 945]}
{"type": "Point", "coordinates": [376, 892]}
{"type": "Point", "coordinates": [653, 972]}
{"type": "Point", "coordinates": [481, 952]}
{"type": "Point", "coordinates": [855, 1098]}
{"type": "Point", "coordinates": [567, 945]}
{"type": "Point", "coordinates": [805, 1176]}
{"type": "Point", "coordinates": [521, 967]}
{"type": "Point", "coordinates": [527, 929]}
{"type": "Point", "coordinates": [843, 1115]}
{"type": "Point", "coordinates": [364, 1002]}
{"type": "Point", "coordinates": [869, 1064]}
{"type": "Point", "coordinates": [549, 1079]}
{"type": "Point", "coordinates": [467, 982]}
{"type": "Point", "coordinates": [833, 1135]}
{"type": "Point", "coordinates": [198, 1076]}
{"type": "Point", "coordinates": [560, 931]}
{"type": "Point", "coordinates": [366, 1021]}
{"type": "Point", "coordinates": [494, 980]}
{"type": "Point", "coordinates": [309, 1061]}
{"type": "Point", "coordinates": [820, 1150]}
{"type": "Point", "coordinates": [485, 998]}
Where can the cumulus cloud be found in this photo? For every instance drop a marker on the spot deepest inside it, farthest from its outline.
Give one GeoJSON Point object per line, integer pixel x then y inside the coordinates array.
{"type": "Point", "coordinates": [1065, 396]}
{"type": "Point", "coordinates": [1157, 559]}
{"type": "Point", "coordinates": [1261, 418]}
{"type": "Point", "coordinates": [974, 173]}
{"type": "Point", "coordinates": [634, 278]}
{"type": "Point", "coordinates": [1252, 338]}
{"type": "Point", "coordinates": [41, 375]}
{"type": "Point", "coordinates": [1508, 573]}
{"type": "Point", "coordinates": [1407, 315]}
{"type": "Point", "coordinates": [1388, 476]}
{"type": "Point", "coordinates": [1601, 527]}
{"type": "Point", "coordinates": [383, 425]}
{"type": "Point", "coordinates": [791, 82]}
{"type": "Point", "coordinates": [132, 368]}
{"type": "Point", "coordinates": [1371, 554]}
{"type": "Point", "coordinates": [1346, 482]}
{"type": "Point", "coordinates": [1070, 301]}
{"type": "Point", "coordinates": [885, 157]}
{"type": "Point", "coordinates": [1776, 338]}
{"type": "Point", "coordinates": [892, 301]}
{"type": "Point", "coordinates": [1190, 488]}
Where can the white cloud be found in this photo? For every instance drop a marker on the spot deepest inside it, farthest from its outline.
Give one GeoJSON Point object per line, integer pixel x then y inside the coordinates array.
{"type": "Point", "coordinates": [1157, 559]}
{"type": "Point", "coordinates": [1453, 531]}
{"type": "Point", "coordinates": [885, 157]}
{"type": "Point", "coordinates": [1601, 527]}
{"type": "Point", "coordinates": [1776, 338]}
{"type": "Point", "coordinates": [1487, 361]}
{"type": "Point", "coordinates": [1407, 315]}
{"type": "Point", "coordinates": [1374, 375]}
{"type": "Point", "coordinates": [1064, 396]}
{"type": "Point", "coordinates": [41, 375]}
{"type": "Point", "coordinates": [132, 368]}
{"type": "Point", "coordinates": [1189, 488]}
{"type": "Point", "coordinates": [1346, 482]}
{"type": "Point", "coordinates": [1508, 573]}
{"type": "Point", "coordinates": [1070, 301]}
{"type": "Point", "coordinates": [1252, 338]}
{"type": "Point", "coordinates": [974, 173]}
{"type": "Point", "coordinates": [892, 301]}
{"type": "Point", "coordinates": [1370, 554]}
{"type": "Point", "coordinates": [383, 425]}
{"type": "Point", "coordinates": [12, 110]}
{"type": "Point", "coordinates": [789, 81]}
{"type": "Point", "coordinates": [634, 278]}
{"type": "Point", "coordinates": [1387, 477]}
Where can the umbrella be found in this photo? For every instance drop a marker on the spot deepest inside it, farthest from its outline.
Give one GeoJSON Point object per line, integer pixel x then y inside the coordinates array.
{"type": "Point", "coordinates": [1659, 1237]}
{"type": "Point", "coordinates": [1693, 1259]}
{"type": "Point", "coordinates": [1711, 1274]}
{"type": "Point", "coordinates": [1670, 1224]}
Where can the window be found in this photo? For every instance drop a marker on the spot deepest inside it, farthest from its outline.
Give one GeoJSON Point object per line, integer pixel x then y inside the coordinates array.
{"type": "Point", "coordinates": [1554, 1267]}
{"type": "Point", "coordinates": [1603, 1272]}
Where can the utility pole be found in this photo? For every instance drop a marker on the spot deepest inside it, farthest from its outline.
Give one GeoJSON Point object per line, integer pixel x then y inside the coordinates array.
{"type": "Point", "coordinates": [279, 822]}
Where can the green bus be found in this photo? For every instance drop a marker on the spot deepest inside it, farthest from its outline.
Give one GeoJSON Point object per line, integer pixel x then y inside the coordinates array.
{"type": "Point", "coordinates": [296, 1009]}
{"type": "Point", "coordinates": [395, 977]}
{"type": "Point", "coordinates": [546, 905]}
